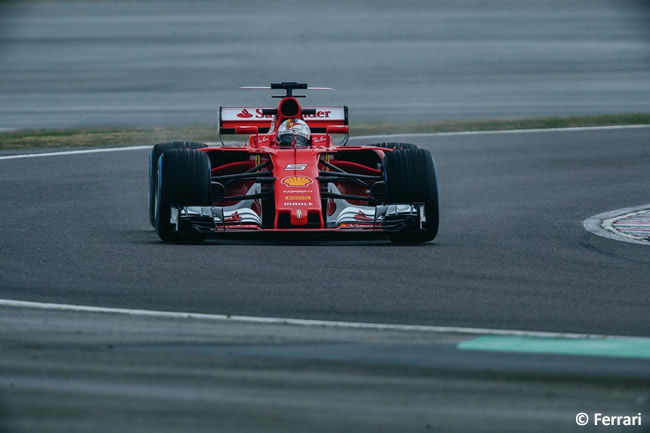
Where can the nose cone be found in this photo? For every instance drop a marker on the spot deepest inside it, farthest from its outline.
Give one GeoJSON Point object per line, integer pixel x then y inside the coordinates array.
{"type": "Point", "coordinates": [297, 192]}
{"type": "Point", "coordinates": [298, 217]}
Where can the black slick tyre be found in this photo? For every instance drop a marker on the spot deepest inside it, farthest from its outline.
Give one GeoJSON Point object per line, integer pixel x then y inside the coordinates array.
{"type": "Point", "coordinates": [183, 179]}
{"type": "Point", "coordinates": [154, 155]}
{"type": "Point", "coordinates": [411, 178]}
{"type": "Point", "coordinates": [394, 146]}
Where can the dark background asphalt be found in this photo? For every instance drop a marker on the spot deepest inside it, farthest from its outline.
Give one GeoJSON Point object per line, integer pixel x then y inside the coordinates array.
{"type": "Point", "coordinates": [511, 252]}
{"type": "Point", "coordinates": [88, 62]}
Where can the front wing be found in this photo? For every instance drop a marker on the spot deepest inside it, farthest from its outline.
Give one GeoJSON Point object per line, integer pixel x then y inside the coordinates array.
{"type": "Point", "coordinates": [347, 217]}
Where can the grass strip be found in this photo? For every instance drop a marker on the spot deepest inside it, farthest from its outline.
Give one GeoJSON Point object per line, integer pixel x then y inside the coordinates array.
{"type": "Point", "coordinates": [109, 137]}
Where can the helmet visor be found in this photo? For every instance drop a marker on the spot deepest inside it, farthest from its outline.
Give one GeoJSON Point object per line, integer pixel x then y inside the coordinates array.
{"type": "Point", "coordinates": [301, 141]}
{"type": "Point", "coordinates": [287, 140]}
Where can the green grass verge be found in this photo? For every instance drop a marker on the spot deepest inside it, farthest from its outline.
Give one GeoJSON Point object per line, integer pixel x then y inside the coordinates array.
{"type": "Point", "coordinates": [39, 139]}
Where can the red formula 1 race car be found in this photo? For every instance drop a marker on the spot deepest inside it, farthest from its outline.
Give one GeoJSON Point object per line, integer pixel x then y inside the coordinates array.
{"type": "Point", "coordinates": [291, 176]}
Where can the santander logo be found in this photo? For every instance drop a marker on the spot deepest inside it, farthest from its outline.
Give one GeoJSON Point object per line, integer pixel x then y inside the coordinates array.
{"type": "Point", "coordinates": [255, 113]}
{"type": "Point", "coordinates": [244, 114]}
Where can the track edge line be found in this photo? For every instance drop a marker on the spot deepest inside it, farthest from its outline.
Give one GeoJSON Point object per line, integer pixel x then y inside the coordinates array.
{"type": "Point", "coordinates": [305, 322]}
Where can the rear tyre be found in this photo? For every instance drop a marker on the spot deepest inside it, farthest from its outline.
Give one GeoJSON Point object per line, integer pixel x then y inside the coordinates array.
{"type": "Point", "coordinates": [394, 146]}
{"type": "Point", "coordinates": [154, 155]}
{"type": "Point", "coordinates": [411, 178]}
{"type": "Point", "coordinates": [183, 180]}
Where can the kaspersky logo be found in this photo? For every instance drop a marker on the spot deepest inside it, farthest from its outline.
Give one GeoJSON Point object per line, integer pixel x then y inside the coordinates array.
{"type": "Point", "coordinates": [244, 114]}
{"type": "Point", "coordinates": [297, 181]}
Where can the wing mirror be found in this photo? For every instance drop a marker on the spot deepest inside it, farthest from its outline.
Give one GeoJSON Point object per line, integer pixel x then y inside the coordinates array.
{"type": "Point", "coordinates": [338, 129]}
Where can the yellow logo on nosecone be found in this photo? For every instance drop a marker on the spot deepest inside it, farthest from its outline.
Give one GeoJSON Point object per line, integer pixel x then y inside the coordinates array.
{"type": "Point", "coordinates": [297, 181]}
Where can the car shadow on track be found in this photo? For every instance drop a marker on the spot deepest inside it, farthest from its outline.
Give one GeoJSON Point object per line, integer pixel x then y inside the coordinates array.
{"type": "Point", "coordinates": [296, 239]}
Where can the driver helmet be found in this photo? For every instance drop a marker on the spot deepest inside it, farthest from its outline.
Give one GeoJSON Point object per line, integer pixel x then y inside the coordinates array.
{"type": "Point", "coordinates": [294, 129]}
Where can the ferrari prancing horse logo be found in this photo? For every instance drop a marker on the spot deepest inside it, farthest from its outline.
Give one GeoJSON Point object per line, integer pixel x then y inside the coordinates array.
{"type": "Point", "coordinates": [297, 181]}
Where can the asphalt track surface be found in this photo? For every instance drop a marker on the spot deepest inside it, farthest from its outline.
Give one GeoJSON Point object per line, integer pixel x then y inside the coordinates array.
{"type": "Point", "coordinates": [89, 63]}
{"type": "Point", "coordinates": [511, 252]}
{"type": "Point", "coordinates": [79, 372]}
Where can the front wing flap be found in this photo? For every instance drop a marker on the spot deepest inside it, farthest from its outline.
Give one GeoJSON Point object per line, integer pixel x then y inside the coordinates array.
{"type": "Point", "coordinates": [218, 220]}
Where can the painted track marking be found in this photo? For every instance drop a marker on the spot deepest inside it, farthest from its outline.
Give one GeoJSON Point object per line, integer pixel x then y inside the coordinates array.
{"type": "Point", "coordinates": [307, 322]}
{"type": "Point", "coordinates": [511, 131]}
{"type": "Point", "coordinates": [73, 152]}
{"type": "Point", "coordinates": [610, 347]}
{"type": "Point", "coordinates": [607, 224]}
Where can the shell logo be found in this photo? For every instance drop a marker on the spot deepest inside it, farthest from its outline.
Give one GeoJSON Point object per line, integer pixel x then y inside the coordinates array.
{"type": "Point", "coordinates": [297, 181]}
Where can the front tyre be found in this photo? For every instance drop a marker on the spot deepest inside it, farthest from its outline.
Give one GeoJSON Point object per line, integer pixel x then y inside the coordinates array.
{"type": "Point", "coordinates": [411, 178]}
{"type": "Point", "coordinates": [154, 155]}
{"type": "Point", "coordinates": [183, 180]}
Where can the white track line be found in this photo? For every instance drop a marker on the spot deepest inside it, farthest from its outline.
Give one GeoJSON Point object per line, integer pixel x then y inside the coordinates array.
{"type": "Point", "coordinates": [73, 152]}
{"type": "Point", "coordinates": [304, 322]}
{"type": "Point", "coordinates": [511, 131]}
{"type": "Point", "coordinates": [432, 134]}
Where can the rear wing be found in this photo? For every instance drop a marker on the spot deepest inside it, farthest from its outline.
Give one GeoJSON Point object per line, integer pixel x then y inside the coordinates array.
{"type": "Point", "coordinates": [324, 116]}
